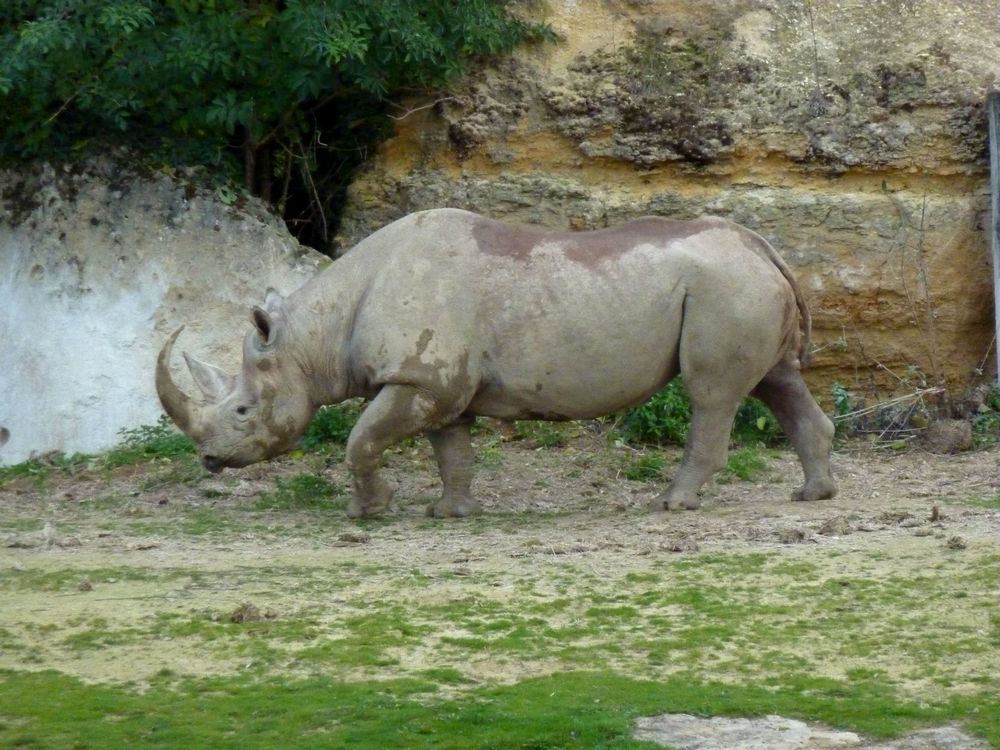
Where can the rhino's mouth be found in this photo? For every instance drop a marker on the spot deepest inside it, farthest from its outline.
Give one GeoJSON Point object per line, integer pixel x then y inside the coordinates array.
{"type": "Point", "coordinates": [212, 464]}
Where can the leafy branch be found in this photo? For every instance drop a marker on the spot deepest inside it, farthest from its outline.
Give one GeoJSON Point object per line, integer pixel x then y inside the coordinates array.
{"type": "Point", "coordinates": [244, 85]}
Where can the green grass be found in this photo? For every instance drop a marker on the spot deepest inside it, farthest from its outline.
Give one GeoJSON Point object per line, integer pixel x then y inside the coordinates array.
{"type": "Point", "coordinates": [855, 639]}
{"type": "Point", "coordinates": [69, 579]}
{"type": "Point", "coordinates": [578, 709]}
{"type": "Point", "coordinates": [21, 524]}
{"type": "Point", "coordinates": [981, 501]}
{"type": "Point", "coordinates": [34, 470]}
{"type": "Point", "coordinates": [148, 442]}
{"type": "Point", "coordinates": [204, 522]}
{"type": "Point", "coordinates": [788, 637]}
{"type": "Point", "coordinates": [745, 463]}
{"type": "Point", "coordinates": [159, 442]}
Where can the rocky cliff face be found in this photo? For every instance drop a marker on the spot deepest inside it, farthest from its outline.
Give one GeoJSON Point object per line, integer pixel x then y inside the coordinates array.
{"type": "Point", "coordinates": [850, 133]}
{"type": "Point", "coordinates": [98, 265]}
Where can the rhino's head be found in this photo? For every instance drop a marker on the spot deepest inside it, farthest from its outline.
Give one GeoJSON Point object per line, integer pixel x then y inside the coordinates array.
{"type": "Point", "coordinates": [248, 417]}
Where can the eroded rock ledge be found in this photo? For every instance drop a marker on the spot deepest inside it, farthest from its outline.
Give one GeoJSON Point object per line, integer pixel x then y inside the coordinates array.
{"type": "Point", "coordinates": [852, 135]}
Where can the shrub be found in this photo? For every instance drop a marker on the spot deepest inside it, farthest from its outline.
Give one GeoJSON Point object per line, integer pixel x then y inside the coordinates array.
{"type": "Point", "coordinates": [756, 424]}
{"type": "Point", "coordinates": [666, 418]}
{"type": "Point", "coordinates": [986, 423]}
{"type": "Point", "coordinates": [843, 404]}
{"type": "Point", "coordinates": [144, 443]}
{"type": "Point", "coordinates": [332, 425]}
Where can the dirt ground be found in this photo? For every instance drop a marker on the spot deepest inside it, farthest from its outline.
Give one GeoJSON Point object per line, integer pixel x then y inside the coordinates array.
{"type": "Point", "coordinates": [542, 507]}
{"type": "Point", "coordinates": [581, 485]}
{"type": "Point", "coordinates": [579, 488]}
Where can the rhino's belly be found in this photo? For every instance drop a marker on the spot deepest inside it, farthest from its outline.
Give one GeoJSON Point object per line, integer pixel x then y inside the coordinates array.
{"type": "Point", "coordinates": [582, 390]}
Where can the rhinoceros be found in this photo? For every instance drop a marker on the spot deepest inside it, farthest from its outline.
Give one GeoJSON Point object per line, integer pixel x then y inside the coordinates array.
{"type": "Point", "coordinates": [445, 315]}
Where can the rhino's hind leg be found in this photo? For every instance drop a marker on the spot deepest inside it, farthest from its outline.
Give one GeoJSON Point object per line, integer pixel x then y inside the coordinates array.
{"type": "Point", "coordinates": [397, 412]}
{"type": "Point", "coordinates": [785, 393]}
{"type": "Point", "coordinates": [453, 451]}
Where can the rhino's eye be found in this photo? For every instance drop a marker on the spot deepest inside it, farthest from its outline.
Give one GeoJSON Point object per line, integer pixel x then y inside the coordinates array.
{"type": "Point", "coordinates": [242, 410]}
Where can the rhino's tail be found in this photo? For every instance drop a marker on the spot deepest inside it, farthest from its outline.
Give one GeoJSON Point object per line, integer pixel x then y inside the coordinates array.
{"type": "Point", "coordinates": [805, 317]}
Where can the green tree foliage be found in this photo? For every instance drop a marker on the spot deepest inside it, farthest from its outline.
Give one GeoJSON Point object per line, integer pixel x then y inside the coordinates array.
{"type": "Point", "coordinates": [294, 88]}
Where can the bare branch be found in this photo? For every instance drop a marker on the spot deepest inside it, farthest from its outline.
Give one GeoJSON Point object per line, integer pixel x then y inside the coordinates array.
{"type": "Point", "coordinates": [434, 103]}
{"type": "Point", "coordinates": [916, 395]}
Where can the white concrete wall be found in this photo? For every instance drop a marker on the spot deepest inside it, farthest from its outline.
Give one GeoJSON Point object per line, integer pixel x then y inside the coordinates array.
{"type": "Point", "coordinates": [96, 269]}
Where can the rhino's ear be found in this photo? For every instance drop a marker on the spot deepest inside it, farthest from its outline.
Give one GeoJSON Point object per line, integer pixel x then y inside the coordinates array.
{"type": "Point", "coordinates": [267, 319]}
{"type": "Point", "coordinates": [266, 324]}
{"type": "Point", "coordinates": [212, 381]}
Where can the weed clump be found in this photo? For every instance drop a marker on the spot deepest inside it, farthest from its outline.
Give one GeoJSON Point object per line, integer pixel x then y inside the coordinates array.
{"type": "Point", "coordinates": [301, 492]}
{"type": "Point", "coordinates": [148, 442]}
{"type": "Point", "coordinates": [746, 463]}
{"type": "Point", "coordinates": [648, 467]}
{"type": "Point", "coordinates": [541, 434]}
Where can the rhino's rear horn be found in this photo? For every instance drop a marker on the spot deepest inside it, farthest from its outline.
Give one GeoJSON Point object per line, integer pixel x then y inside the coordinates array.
{"type": "Point", "coordinates": [178, 405]}
{"type": "Point", "coordinates": [212, 381]}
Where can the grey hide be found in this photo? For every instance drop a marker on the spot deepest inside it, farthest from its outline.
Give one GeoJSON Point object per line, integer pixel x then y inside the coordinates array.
{"type": "Point", "coordinates": [445, 315]}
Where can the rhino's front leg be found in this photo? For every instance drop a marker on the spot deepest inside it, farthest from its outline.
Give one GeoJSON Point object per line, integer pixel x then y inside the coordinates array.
{"type": "Point", "coordinates": [453, 451]}
{"type": "Point", "coordinates": [397, 412]}
{"type": "Point", "coordinates": [704, 454]}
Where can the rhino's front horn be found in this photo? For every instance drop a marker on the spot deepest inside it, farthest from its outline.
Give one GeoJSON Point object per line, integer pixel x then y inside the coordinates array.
{"type": "Point", "coordinates": [175, 402]}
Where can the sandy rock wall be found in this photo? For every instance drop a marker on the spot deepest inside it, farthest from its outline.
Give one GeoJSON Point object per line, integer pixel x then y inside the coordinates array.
{"type": "Point", "coordinates": [97, 267]}
{"type": "Point", "coordinates": [851, 133]}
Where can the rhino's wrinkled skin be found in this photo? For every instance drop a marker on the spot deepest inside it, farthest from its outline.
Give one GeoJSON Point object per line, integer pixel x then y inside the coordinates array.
{"type": "Point", "coordinates": [444, 315]}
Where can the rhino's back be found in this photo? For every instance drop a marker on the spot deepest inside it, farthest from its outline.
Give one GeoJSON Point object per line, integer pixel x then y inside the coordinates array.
{"type": "Point", "coordinates": [551, 323]}
{"type": "Point", "coordinates": [440, 234]}
{"type": "Point", "coordinates": [597, 249]}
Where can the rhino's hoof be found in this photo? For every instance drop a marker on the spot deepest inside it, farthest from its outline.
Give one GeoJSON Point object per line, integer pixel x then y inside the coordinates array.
{"type": "Point", "coordinates": [666, 502]}
{"type": "Point", "coordinates": [453, 508]}
{"type": "Point", "coordinates": [818, 490]}
{"type": "Point", "coordinates": [369, 507]}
